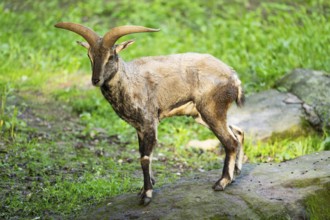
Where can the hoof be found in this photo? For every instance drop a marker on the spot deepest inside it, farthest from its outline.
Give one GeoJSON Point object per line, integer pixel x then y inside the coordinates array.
{"type": "Point", "coordinates": [145, 201]}
{"type": "Point", "coordinates": [217, 187]}
{"type": "Point", "coordinates": [221, 184]}
{"type": "Point", "coordinates": [145, 197]}
{"type": "Point", "coordinates": [153, 181]}
{"type": "Point", "coordinates": [237, 172]}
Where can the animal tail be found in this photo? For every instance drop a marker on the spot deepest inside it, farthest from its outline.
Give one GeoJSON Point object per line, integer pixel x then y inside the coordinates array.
{"type": "Point", "coordinates": [240, 96]}
{"type": "Point", "coordinates": [240, 99]}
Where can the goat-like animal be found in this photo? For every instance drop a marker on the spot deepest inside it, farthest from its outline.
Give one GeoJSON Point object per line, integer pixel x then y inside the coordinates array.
{"type": "Point", "coordinates": [146, 90]}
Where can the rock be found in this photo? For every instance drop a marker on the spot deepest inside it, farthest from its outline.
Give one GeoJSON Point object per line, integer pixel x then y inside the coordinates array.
{"type": "Point", "coordinates": [313, 88]}
{"type": "Point", "coordinates": [266, 113]}
{"type": "Point", "coordinates": [312, 117]}
{"type": "Point", "coordinates": [305, 95]}
{"type": "Point", "coordinates": [288, 190]}
{"type": "Point", "coordinates": [209, 144]}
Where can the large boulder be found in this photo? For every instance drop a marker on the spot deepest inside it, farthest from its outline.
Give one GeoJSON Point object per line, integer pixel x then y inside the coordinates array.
{"type": "Point", "coordinates": [296, 189]}
{"type": "Point", "coordinates": [302, 95]}
{"type": "Point", "coordinates": [313, 88]}
{"type": "Point", "coordinates": [266, 113]}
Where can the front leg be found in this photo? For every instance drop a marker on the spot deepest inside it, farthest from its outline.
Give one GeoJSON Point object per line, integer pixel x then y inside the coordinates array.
{"type": "Point", "coordinates": [147, 141]}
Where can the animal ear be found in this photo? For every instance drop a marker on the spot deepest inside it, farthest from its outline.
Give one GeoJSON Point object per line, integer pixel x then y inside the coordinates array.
{"type": "Point", "coordinates": [84, 44]}
{"type": "Point", "coordinates": [124, 45]}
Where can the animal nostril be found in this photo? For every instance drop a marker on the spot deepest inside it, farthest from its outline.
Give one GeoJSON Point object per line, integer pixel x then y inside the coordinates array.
{"type": "Point", "coordinates": [95, 81]}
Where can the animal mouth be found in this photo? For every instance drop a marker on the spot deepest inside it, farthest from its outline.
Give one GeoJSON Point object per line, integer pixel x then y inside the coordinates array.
{"type": "Point", "coordinates": [97, 82]}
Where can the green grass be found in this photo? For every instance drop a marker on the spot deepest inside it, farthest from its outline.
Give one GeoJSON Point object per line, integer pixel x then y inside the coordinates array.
{"type": "Point", "coordinates": [261, 40]}
{"type": "Point", "coordinates": [317, 204]}
{"type": "Point", "coordinates": [282, 149]}
{"type": "Point", "coordinates": [52, 184]}
{"type": "Point", "coordinates": [62, 147]}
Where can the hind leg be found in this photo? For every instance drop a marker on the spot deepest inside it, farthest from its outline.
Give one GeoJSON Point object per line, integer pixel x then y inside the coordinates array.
{"type": "Point", "coordinates": [239, 134]}
{"type": "Point", "coordinates": [216, 121]}
{"type": "Point", "coordinates": [231, 146]}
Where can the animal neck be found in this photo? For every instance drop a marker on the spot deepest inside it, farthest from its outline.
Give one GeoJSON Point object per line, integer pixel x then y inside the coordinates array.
{"type": "Point", "coordinates": [114, 84]}
{"type": "Point", "coordinates": [115, 76]}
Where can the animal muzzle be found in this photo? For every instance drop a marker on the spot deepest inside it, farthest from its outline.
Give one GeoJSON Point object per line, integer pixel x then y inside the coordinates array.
{"type": "Point", "coordinates": [97, 74]}
{"type": "Point", "coordinates": [95, 81]}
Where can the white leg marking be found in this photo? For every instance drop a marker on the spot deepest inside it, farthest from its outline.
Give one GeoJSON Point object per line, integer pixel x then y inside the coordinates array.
{"type": "Point", "coordinates": [239, 135]}
{"type": "Point", "coordinates": [239, 160]}
{"type": "Point", "coordinates": [231, 132]}
{"type": "Point", "coordinates": [145, 158]}
{"type": "Point", "coordinates": [150, 170]}
{"type": "Point", "coordinates": [231, 167]}
{"type": "Point", "coordinates": [149, 193]}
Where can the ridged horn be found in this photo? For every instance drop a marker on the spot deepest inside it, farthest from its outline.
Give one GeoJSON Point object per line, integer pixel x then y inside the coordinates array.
{"type": "Point", "coordinates": [114, 34]}
{"type": "Point", "coordinates": [90, 36]}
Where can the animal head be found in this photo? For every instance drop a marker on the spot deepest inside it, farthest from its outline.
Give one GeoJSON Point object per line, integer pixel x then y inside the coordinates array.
{"type": "Point", "coordinates": [102, 51]}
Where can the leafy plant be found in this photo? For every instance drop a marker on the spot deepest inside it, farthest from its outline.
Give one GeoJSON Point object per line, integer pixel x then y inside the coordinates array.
{"type": "Point", "coordinates": [285, 148]}
{"type": "Point", "coordinates": [8, 114]}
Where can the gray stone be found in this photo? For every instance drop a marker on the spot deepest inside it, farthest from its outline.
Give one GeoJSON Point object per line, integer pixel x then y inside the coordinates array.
{"type": "Point", "coordinates": [266, 113]}
{"type": "Point", "coordinates": [265, 191]}
{"type": "Point", "coordinates": [313, 88]}
{"type": "Point", "coordinates": [304, 96]}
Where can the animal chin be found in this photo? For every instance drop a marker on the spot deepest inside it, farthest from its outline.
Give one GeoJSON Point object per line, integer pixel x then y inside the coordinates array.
{"type": "Point", "coordinates": [98, 84]}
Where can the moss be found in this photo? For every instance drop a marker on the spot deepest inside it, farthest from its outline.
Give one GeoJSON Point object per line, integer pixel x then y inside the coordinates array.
{"type": "Point", "coordinates": [295, 132]}
{"type": "Point", "coordinates": [317, 204]}
{"type": "Point", "coordinates": [303, 183]}
{"type": "Point", "coordinates": [218, 217]}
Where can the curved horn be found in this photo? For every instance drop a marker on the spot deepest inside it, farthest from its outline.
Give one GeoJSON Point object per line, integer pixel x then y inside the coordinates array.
{"type": "Point", "coordinates": [114, 34]}
{"type": "Point", "coordinates": [90, 36]}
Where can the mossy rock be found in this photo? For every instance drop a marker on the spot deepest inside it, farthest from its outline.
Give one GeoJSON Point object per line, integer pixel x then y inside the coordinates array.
{"type": "Point", "coordinates": [317, 204]}
{"type": "Point", "coordinates": [313, 88]}
{"type": "Point", "coordinates": [269, 113]}
{"type": "Point", "coordinates": [296, 189]}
